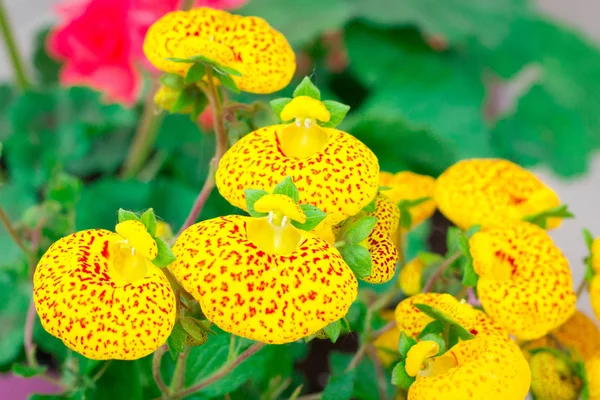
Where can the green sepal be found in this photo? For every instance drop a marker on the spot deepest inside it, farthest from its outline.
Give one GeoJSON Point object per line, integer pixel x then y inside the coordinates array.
{"type": "Point", "coordinates": [172, 81]}
{"type": "Point", "coordinates": [337, 111]}
{"type": "Point", "coordinates": [541, 219]}
{"type": "Point", "coordinates": [288, 188]}
{"type": "Point", "coordinates": [399, 376]}
{"type": "Point", "coordinates": [371, 207]}
{"type": "Point", "coordinates": [440, 316]}
{"type": "Point", "coordinates": [195, 329]}
{"type": "Point", "coordinates": [404, 344]}
{"type": "Point", "coordinates": [333, 330]}
{"type": "Point", "coordinates": [227, 81]}
{"type": "Point", "coordinates": [148, 218]}
{"type": "Point", "coordinates": [361, 229]}
{"type": "Point", "coordinates": [279, 104]}
{"type": "Point", "coordinates": [176, 340]}
{"type": "Point", "coordinates": [358, 259]}
{"type": "Point", "coordinates": [435, 327]}
{"type": "Point", "coordinates": [165, 256]}
{"type": "Point", "coordinates": [314, 216]}
{"type": "Point", "coordinates": [405, 215]}
{"type": "Point", "coordinates": [252, 195]}
{"type": "Point", "coordinates": [125, 215]}
{"type": "Point", "coordinates": [195, 73]}
{"type": "Point", "coordinates": [307, 88]}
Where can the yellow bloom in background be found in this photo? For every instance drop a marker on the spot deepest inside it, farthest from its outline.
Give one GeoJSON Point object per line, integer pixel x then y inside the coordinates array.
{"type": "Point", "coordinates": [552, 378]}
{"type": "Point", "coordinates": [99, 292]}
{"type": "Point", "coordinates": [525, 283]}
{"type": "Point", "coordinates": [592, 369]}
{"type": "Point", "coordinates": [261, 278]}
{"type": "Point", "coordinates": [387, 343]}
{"type": "Point", "coordinates": [410, 276]}
{"type": "Point", "coordinates": [594, 287]}
{"type": "Point", "coordinates": [247, 44]}
{"type": "Point", "coordinates": [485, 367]}
{"type": "Point", "coordinates": [332, 169]}
{"type": "Point", "coordinates": [406, 185]}
{"type": "Point", "coordinates": [384, 253]}
{"type": "Point", "coordinates": [492, 193]}
{"type": "Point", "coordinates": [579, 333]}
{"type": "Point", "coordinates": [412, 321]}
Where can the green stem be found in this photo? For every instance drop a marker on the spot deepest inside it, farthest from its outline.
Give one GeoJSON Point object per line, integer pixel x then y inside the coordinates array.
{"type": "Point", "coordinates": [13, 51]}
{"type": "Point", "coordinates": [156, 358]}
{"type": "Point", "coordinates": [429, 285]}
{"type": "Point", "coordinates": [12, 231]}
{"type": "Point", "coordinates": [179, 373]}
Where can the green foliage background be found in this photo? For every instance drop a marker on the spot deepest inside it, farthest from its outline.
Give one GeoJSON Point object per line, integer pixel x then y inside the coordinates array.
{"type": "Point", "coordinates": [418, 108]}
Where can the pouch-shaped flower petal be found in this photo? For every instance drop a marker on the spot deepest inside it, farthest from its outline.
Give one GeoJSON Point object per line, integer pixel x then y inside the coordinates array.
{"type": "Point", "coordinates": [248, 44]}
{"type": "Point", "coordinates": [340, 176]}
{"type": "Point", "coordinates": [265, 282]}
{"type": "Point", "coordinates": [492, 193]}
{"type": "Point", "coordinates": [406, 185]}
{"type": "Point", "coordinates": [101, 295]}
{"type": "Point", "coordinates": [592, 370]}
{"type": "Point", "coordinates": [410, 277]}
{"type": "Point", "coordinates": [552, 378]}
{"type": "Point", "coordinates": [485, 367]}
{"type": "Point", "coordinates": [412, 321]}
{"type": "Point", "coordinates": [525, 282]}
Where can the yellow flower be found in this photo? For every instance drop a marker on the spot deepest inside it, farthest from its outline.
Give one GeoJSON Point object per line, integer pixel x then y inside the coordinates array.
{"type": "Point", "coordinates": [384, 253]}
{"type": "Point", "coordinates": [248, 44]}
{"type": "Point", "coordinates": [99, 292]}
{"type": "Point", "coordinates": [332, 170]}
{"type": "Point", "coordinates": [387, 343]}
{"type": "Point", "coordinates": [579, 333]}
{"type": "Point", "coordinates": [592, 369]}
{"type": "Point", "coordinates": [525, 282]}
{"type": "Point", "coordinates": [410, 276]}
{"type": "Point", "coordinates": [412, 321]}
{"type": "Point", "coordinates": [552, 378]}
{"type": "Point", "coordinates": [492, 193]}
{"type": "Point", "coordinates": [485, 367]}
{"type": "Point", "coordinates": [406, 185]}
{"type": "Point", "coordinates": [261, 278]}
{"type": "Point", "coordinates": [594, 287]}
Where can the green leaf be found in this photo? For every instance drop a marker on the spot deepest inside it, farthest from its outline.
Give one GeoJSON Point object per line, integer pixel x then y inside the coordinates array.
{"type": "Point", "coordinates": [470, 277]}
{"type": "Point", "coordinates": [399, 376]}
{"type": "Point", "coordinates": [434, 337]}
{"type": "Point", "coordinates": [227, 70]}
{"type": "Point", "coordinates": [405, 343]}
{"type": "Point", "coordinates": [125, 215]}
{"type": "Point", "coordinates": [288, 188]}
{"type": "Point", "coordinates": [361, 229]}
{"type": "Point", "coordinates": [337, 111]}
{"type": "Point", "coordinates": [434, 327]}
{"type": "Point", "coordinates": [26, 371]}
{"type": "Point", "coordinates": [185, 100]}
{"type": "Point", "coordinates": [279, 104]}
{"type": "Point", "coordinates": [148, 218]}
{"type": "Point", "coordinates": [65, 189]}
{"type": "Point", "coordinates": [340, 387]}
{"type": "Point", "coordinates": [307, 88]}
{"type": "Point", "coordinates": [252, 195]}
{"type": "Point", "coordinates": [176, 340]}
{"type": "Point", "coordinates": [314, 216]}
{"type": "Point", "coordinates": [195, 73]}
{"type": "Point", "coordinates": [118, 381]}
{"type": "Point", "coordinates": [588, 237]}
{"type": "Point", "coordinates": [165, 255]}
{"type": "Point", "coordinates": [200, 103]}
{"type": "Point", "coordinates": [333, 330]}
{"type": "Point", "coordinates": [47, 68]}
{"type": "Point", "coordinates": [194, 328]}
{"type": "Point", "coordinates": [172, 81]}
{"type": "Point", "coordinates": [440, 316]}
{"type": "Point", "coordinates": [15, 294]}
{"type": "Point", "coordinates": [541, 218]}
{"type": "Point", "coordinates": [181, 60]}
{"type": "Point", "coordinates": [358, 259]}
{"type": "Point", "coordinates": [370, 208]}
{"type": "Point", "coordinates": [227, 82]}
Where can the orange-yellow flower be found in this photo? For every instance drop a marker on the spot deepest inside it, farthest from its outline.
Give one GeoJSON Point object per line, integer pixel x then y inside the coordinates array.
{"type": "Point", "coordinates": [406, 185]}
{"type": "Point", "coordinates": [411, 275]}
{"type": "Point", "coordinates": [262, 278]}
{"type": "Point", "coordinates": [333, 170]}
{"type": "Point", "coordinates": [99, 292]}
{"type": "Point", "coordinates": [247, 44]}
{"type": "Point", "coordinates": [492, 193]}
{"type": "Point", "coordinates": [525, 282]}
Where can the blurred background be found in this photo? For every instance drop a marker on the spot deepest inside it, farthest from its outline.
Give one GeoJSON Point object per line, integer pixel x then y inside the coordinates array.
{"type": "Point", "coordinates": [429, 83]}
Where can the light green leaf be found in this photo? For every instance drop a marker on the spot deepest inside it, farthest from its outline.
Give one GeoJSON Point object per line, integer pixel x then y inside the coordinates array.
{"type": "Point", "coordinates": [435, 327]}
{"type": "Point", "coordinates": [227, 82]}
{"type": "Point", "coordinates": [185, 100]}
{"type": "Point", "coordinates": [361, 229]}
{"type": "Point", "coordinates": [200, 103]}
{"type": "Point", "coordinates": [307, 88]}
{"type": "Point", "coordinates": [333, 330]}
{"type": "Point", "coordinates": [405, 343]}
{"type": "Point", "coordinates": [165, 255]}
{"type": "Point", "coordinates": [172, 81]}
{"type": "Point", "coordinates": [279, 104]}
{"type": "Point", "coordinates": [194, 328]}
{"type": "Point", "coordinates": [588, 237]}
{"type": "Point", "coordinates": [541, 219]}
{"type": "Point", "coordinates": [195, 73]}
{"type": "Point", "coordinates": [314, 216]}
{"type": "Point", "coordinates": [399, 376]}
{"type": "Point", "coordinates": [252, 195]}
{"type": "Point", "coordinates": [434, 337]}
{"type": "Point", "coordinates": [26, 371]}
{"type": "Point", "coordinates": [358, 259]}
{"type": "Point", "coordinates": [440, 316]}
{"type": "Point", "coordinates": [148, 218]}
{"type": "Point", "coordinates": [288, 188]}
{"type": "Point", "coordinates": [176, 341]}
{"type": "Point", "coordinates": [337, 111]}
{"type": "Point", "coordinates": [370, 208]}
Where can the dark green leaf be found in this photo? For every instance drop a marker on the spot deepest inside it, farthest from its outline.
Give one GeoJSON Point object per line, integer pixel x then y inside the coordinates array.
{"type": "Point", "coordinates": [227, 70]}
{"type": "Point", "coordinates": [200, 103]}
{"type": "Point", "coordinates": [288, 188]}
{"type": "Point", "coordinates": [399, 376]}
{"type": "Point", "coordinates": [440, 316]}
{"type": "Point", "coordinates": [64, 189]}
{"type": "Point", "coordinates": [337, 111]}
{"type": "Point", "coordinates": [122, 380]}
{"type": "Point", "coordinates": [185, 100]}
{"type": "Point", "coordinates": [279, 104]}
{"type": "Point", "coordinates": [194, 329]}
{"type": "Point", "coordinates": [333, 330]}
{"type": "Point", "coordinates": [125, 215]}
{"type": "Point", "coordinates": [165, 255]}
{"type": "Point", "coordinates": [252, 195]}
{"type": "Point", "coordinates": [405, 217]}
{"type": "Point", "coordinates": [195, 73]}
{"type": "Point", "coordinates": [358, 259]}
{"type": "Point", "coordinates": [307, 88]}
{"type": "Point", "coordinates": [26, 371]}
{"type": "Point", "coordinates": [434, 337]}
{"type": "Point", "coordinates": [14, 297]}
{"type": "Point", "coordinates": [339, 387]}
{"type": "Point", "coordinates": [314, 216]}
{"type": "Point", "coordinates": [176, 340]}
{"type": "Point", "coordinates": [405, 343]}
{"type": "Point", "coordinates": [470, 277]}
{"type": "Point", "coordinates": [588, 237]}
{"type": "Point", "coordinates": [361, 229]}
{"type": "Point", "coordinates": [227, 82]}
{"type": "Point", "coordinates": [172, 81]}
{"type": "Point", "coordinates": [435, 327]}
{"type": "Point", "coordinates": [148, 218]}
{"type": "Point", "coordinates": [47, 68]}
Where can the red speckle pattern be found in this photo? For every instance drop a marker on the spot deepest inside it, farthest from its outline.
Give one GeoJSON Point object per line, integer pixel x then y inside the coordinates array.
{"type": "Point", "coordinates": [340, 179]}
{"type": "Point", "coordinates": [266, 297]}
{"type": "Point", "coordinates": [78, 301]}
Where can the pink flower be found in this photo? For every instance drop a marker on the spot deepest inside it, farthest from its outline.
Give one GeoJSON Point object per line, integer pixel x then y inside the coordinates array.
{"type": "Point", "coordinates": [100, 42]}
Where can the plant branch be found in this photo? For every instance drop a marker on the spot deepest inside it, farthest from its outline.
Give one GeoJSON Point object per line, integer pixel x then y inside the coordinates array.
{"type": "Point", "coordinates": [581, 287]}
{"type": "Point", "coordinates": [386, 328]}
{"type": "Point", "coordinates": [221, 148]}
{"type": "Point", "coordinates": [179, 373]}
{"type": "Point", "coordinates": [443, 266]}
{"type": "Point", "coordinates": [357, 357]}
{"type": "Point", "coordinates": [158, 355]}
{"type": "Point", "coordinates": [381, 380]}
{"type": "Point", "coordinates": [28, 336]}
{"type": "Point", "coordinates": [227, 368]}
{"type": "Point", "coordinates": [12, 231]}
{"type": "Point", "coordinates": [12, 49]}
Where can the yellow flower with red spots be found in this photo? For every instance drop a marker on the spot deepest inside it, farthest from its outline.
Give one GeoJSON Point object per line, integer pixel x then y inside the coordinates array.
{"type": "Point", "coordinates": [99, 292]}
{"type": "Point", "coordinates": [262, 278]}
{"type": "Point", "coordinates": [333, 170]}
{"type": "Point", "coordinates": [492, 193]}
{"type": "Point", "coordinates": [406, 185]}
{"type": "Point", "coordinates": [247, 44]}
{"type": "Point", "coordinates": [525, 283]}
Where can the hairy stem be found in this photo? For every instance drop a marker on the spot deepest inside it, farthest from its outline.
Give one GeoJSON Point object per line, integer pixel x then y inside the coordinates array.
{"type": "Point", "coordinates": [179, 373]}
{"type": "Point", "coordinates": [12, 49]}
{"type": "Point", "coordinates": [226, 369]}
{"type": "Point", "coordinates": [429, 285]}
{"type": "Point", "coordinates": [158, 355]}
